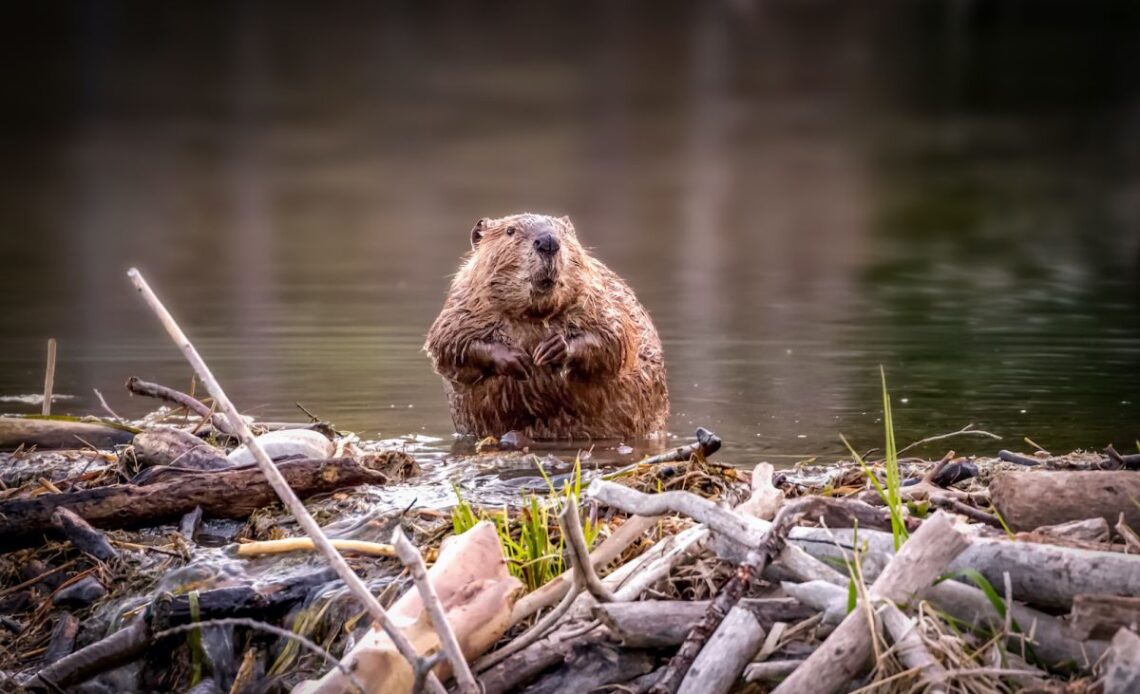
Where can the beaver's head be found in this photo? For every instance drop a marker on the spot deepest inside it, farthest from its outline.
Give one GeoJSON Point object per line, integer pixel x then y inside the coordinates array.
{"type": "Point", "coordinates": [526, 262]}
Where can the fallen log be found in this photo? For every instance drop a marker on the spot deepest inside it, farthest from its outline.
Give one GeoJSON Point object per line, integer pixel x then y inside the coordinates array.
{"type": "Point", "coordinates": [62, 639]}
{"type": "Point", "coordinates": [718, 665]}
{"type": "Point", "coordinates": [532, 661]}
{"type": "Point", "coordinates": [61, 433]}
{"type": "Point", "coordinates": [588, 666]}
{"type": "Point", "coordinates": [665, 623]}
{"type": "Point", "coordinates": [845, 653]}
{"type": "Point", "coordinates": [1040, 574]}
{"type": "Point", "coordinates": [82, 535]}
{"type": "Point", "coordinates": [179, 448]}
{"type": "Point", "coordinates": [1100, 616]}
{"type": "Point", "coordinates": [1027, 500]}
{"type": "Point", "coordinates": [233, 493]}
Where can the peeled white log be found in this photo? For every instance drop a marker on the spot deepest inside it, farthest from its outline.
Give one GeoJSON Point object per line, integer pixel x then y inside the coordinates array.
{"type": "Point", "coordinates": [1040, 574]}
{"type": "Point", "coordinates": [719, 664]}
{"type": "Point", "coordinates": [844, 655]}
{"type": "Point", "coordinates": [302, 443]}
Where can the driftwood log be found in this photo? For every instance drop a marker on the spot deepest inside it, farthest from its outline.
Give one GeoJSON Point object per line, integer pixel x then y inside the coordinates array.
{"type": "Point", "coordinates": [60, 432]}
{"type": "Point", "coordinates": [1100, 616]}
{"type": "Point", "coordinates": [85, 538]}
{"type": "Point", "coordinates": [1027, 500]}
{"type": "Point", "coordinates": [1047, 575]}
{"type": "Point", "coordinates": [665, 623]}
{"type": "Point", "coordinates": [231, 493]}
{"type": "Point", "coordinates": [179, 448]}
{"type": "Point", "coordinates": [845, 653]}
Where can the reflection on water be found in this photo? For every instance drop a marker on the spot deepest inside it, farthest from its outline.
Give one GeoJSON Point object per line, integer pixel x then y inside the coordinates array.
{"type": "Point", "coordinates": [798, 192]}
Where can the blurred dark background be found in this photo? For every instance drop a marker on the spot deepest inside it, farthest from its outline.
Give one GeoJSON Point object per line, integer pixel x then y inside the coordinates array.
{"type": "Point", "coordinates": [798, 191]}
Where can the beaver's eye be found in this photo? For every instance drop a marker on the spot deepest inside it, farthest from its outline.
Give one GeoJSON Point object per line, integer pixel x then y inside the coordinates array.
{"type": "Point", "coordinates": [511, 231]}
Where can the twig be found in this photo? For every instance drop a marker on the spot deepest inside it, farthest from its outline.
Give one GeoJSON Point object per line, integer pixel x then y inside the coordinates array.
{"type": "Point", "coordinates": [967, 430]}
{"type": "Point", "coordinates": [107, 407]}
{"type": "Point", "coordinates": [580, 554]}
{"type": "Point", "coordinates": [1128, 534]}
{"type": "Point", "coordinates": [410, 556]}
{"type": "Point", "coordinates": [951, 504]}
{"type": "Point", "coordinates": [49, 377]}
{"type": "Point", "coordinates": [295, 544]}
{"type": "Point", "coordinates": [308, 414]}
{"type": "Point", "coordinates": [726, 599]}
{"type": "Point", "coordinates": [36, 579]}
{"type": "Point", "coordinates": [1019, 459]}
{"type": "Point", "coordinates": [154, 390]}
{"type": "Point", "coordinates": [262, 626]}
{"type": "Point", "coordinates": [706, 444]}
{"type": "Point", "coordinates": [355, 585]}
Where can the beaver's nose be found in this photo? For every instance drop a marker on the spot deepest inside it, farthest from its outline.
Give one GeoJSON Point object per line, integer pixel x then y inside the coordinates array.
{"type": "Point", "coordinates": [547, 244]}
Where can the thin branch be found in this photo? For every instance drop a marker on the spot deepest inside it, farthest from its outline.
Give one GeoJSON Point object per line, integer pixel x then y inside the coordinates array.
{"type": "Point", "coordinates": [580, 554]}
{"type": "Point", "coordinates": [355, 585]}
{"type": "Point", "coordinates": [536, 632]}
{"type": "Point", "coordinates": [967, 430]}
{"type": "Point", "coordinates": [411, 558]}
{"type": "Point", "coordinates": [107, 407]}
{"type": "Point", "coordinates": [49, 377]}
{"type": "Point", "coordinates": [155, 390]}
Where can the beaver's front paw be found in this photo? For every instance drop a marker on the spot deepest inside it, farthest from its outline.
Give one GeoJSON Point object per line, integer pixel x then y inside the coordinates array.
{"type": "Point", "coordinates": [510, 361]}
{"type": "Point", "coordinates": [553, 351]}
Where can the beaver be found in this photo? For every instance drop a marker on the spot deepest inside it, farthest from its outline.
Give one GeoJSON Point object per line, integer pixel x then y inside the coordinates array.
{"type": "Point", "coordinates": [538, 336]}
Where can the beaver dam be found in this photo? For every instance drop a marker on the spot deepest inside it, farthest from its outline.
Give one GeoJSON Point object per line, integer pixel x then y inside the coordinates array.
{"type": "Point", "coordinates": [197, 550]}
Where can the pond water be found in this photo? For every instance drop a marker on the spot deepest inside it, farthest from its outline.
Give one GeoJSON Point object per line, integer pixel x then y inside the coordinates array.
{"type": "Point", "coordinates": [798, 192]}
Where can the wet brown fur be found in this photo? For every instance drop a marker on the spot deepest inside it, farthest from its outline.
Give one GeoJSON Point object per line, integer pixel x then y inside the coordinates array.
{"type": "Point", "coordinates": [599, 372]}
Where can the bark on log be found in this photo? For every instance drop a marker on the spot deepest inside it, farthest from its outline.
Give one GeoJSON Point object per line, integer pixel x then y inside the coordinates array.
{"type": "Point", "coordinates": [60, 433]}
{"type": "Point", "coordinates": [62, 638]}
{"type": "Point", "coordinates": [223, 494]}
{"type": "Point", "coordinates": [178, 448]}
{"type": "Point", "coordinates": [536, 658]}
{"type": "Point", "coordinates": [1027, 500]}
{"type": "Point", "coordinates": [665, 623]}
{"type": "Point", "coordinates": [588, 666]}
{"type": "Point", "coordinates": [1047, 575]}
{"type": "Point", "coordinates": [1100, 616]}
{"type": "Point", "coordinates": [845, 653]}
{"type": "Point", "coordinates": [82, 535]}
{"type": "Point", "coordinates": [770, 670]}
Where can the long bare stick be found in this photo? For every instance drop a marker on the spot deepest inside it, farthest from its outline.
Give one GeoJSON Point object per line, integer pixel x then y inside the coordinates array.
{"type": "Point", "coordinates": [579, 552]}
{"type": "Point", "coordinates": [410, 556]}
{"type": "Point", "coordinates": [49, 377]}
{"type": "Point", "coordinates": [297, 544]}
{"type": "Point", "coordinates": [355, 585]}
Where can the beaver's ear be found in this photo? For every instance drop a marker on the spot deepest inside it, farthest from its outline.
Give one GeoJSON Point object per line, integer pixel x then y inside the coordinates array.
{"type": "Point", "coordinates": [477, 232]}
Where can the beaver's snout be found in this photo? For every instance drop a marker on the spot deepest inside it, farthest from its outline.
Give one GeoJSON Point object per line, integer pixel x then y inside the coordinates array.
{"type": "Point", "coordinates": [547, 244]}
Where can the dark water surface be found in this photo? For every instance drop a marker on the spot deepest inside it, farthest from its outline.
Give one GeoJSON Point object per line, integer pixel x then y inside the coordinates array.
{"type": "Point", "coordinates": [798, 192]}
